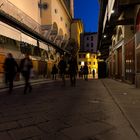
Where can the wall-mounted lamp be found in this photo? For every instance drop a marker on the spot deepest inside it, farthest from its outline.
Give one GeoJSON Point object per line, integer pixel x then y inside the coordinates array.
{"type": "Point", "coordinates": [113, 11]}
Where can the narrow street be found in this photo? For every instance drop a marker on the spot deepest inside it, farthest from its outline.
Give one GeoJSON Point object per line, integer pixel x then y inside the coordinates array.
{"type": "Point", "coordinates": [93, 110]}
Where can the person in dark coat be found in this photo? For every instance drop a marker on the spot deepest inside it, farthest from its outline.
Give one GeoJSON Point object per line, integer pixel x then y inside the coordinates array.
{"type": "Point", "coordinates": [10, 69]}
{"type": "Point", "coordinates": [54, 72]}
{"type": "Point", "coordinates": [85, 71]}
{"type": "Point", "coordinates": [73, 68]}
{"type": "Point", "coordinates": [62, 69]}
{"type": "Point", "coordinates": [25, 68]}
{"type": "Point", "coordinates": [93, 73]}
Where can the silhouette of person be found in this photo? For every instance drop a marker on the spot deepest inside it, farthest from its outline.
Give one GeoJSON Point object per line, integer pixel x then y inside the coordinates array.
{"type": "Point", "coordinates": [62, 69]}
{"type": "Point", "coordinates": [85, 71]}
{"type": "Point", "coordinates": [10, 69]}
{"type": "Point", "coordinates": [81, 72]}
{"type": "Point", "coordinates": [54, 72]}
{"type": "Point", "coordinates": [73, 68]}
{"type": "Point", "coordinates": [93, 73]}
{"type": "Point", "coordinates": [25, 68]}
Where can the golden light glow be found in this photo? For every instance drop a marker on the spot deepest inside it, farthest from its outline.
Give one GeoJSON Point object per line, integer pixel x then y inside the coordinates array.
{"type": "Point", "coordinates": [88, 55]}
{"type": "Point", "coordinates": [82, 63]}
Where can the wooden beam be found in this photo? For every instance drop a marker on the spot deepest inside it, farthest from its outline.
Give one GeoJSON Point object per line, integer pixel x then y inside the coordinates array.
{"type": "Point", "coordinates": [128, 2]}
{"type": "Point", "coordinates": [129, 21]}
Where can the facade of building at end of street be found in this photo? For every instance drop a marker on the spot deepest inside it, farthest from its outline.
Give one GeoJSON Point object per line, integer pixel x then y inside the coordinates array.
{"type": "Point", "coordinates": [119, 39]}
{"type": "Point", "coordinates": [88, 52]}
{"type": "Point", "coordinates": [42, 28]}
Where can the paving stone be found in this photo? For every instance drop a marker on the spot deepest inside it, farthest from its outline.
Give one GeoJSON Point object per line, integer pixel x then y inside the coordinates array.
{"type": "Point", "coordinates": [80, 132]}
{"type": "Point", "coordinates": [24, 133]}
{"type": "Point", "coordinates": [8, 126]}
{"type": "Point", "coordinates": [5, 136]}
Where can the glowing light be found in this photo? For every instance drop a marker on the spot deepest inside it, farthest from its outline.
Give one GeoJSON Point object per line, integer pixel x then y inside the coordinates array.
{"type": "Point", "coordinates": [82, 63]}
{"type": "Point", "coordinates": [87, 55]}
{"type": "Point", "coordinates": [112, 12]}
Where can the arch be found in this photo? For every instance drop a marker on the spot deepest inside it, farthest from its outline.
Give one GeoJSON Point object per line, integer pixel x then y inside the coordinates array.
{"type": "Point", "coordinates": [138, 21]}
{"type": "Point", "coordinates": [54, 30]}
{"type": "Point", "coordinates": [113, 42]}
{"type": "Point", "coordinates": [120, 34]}
{"type": "Point", "coordinates": [60, 34]}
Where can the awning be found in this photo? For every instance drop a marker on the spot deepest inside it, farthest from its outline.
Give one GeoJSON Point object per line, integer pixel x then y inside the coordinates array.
{"type": "Point", "coordinates": [9, 31]}
{"type": "Point", "coordinates": [43, 46]}
{"type": "Point", "coordinates": [27, 39]}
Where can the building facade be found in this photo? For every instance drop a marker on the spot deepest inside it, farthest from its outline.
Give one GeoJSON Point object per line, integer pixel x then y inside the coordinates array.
{"type": "Point", "coordinates": [23, 30]}
{"type": "Point", "coordinates": [91, 60]}
{"type": "Point", "coordinates": [89, 42]}
{"type": "Point", "coordinates": [88, 52]}
{"type": "Point", "coordinates": [118, 39]}
{"type": "Point", "coordinates": [76, 30]}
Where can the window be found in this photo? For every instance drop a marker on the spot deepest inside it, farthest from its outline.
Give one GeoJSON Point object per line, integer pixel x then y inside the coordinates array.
{"type": "Point", "coordinates": [89, 63]}
{"type": "Point", "coordinates": [87, 38]}
{"type": "Point", "coordinates": [61, 18]}
{"type": "Point", "coordinates": [80, 56]}
{"type": "Point", "coordinates": [91, 44]}
{"type": "Point", "coordinates": [56, 11]}
{"type": "Point", "coordinates": [87, 45]}
{"type": "Point", "coordinates": [91, 38]}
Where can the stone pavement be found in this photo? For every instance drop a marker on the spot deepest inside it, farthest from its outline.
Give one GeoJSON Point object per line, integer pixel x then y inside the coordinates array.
{"type": "Point", "coordinates": [93, 110]}
{"type": "Point", "coordinates": [127, 98]}
{"type": "Point", "coordinates": [20, 83]}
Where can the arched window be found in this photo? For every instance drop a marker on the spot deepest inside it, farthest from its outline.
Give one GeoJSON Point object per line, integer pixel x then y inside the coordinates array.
{"type": "Point", "coordinates": [138, 22]}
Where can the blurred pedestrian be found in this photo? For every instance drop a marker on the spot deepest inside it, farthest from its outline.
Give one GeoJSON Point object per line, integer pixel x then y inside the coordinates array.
{"type": "Point", "coordinates": [54, 72]}
{"type": "Point", "coordinates": [81, 72]}
{"type": "Point", "coordinates": [85, 71]}
{"type": "Point", "coordinates": [10, 69]}
{"type": "Point", "coordinates": [25, 68]}
{"type": "Point", "coordinates": [62, 69]}
{"type": "Point", "coordinates": [93, 73]}
{"type": "Point", "coordinates": [73, 68]}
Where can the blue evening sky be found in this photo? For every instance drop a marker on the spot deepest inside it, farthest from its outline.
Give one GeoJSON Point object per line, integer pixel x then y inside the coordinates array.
{"type": "Point", "coordinates": [87, 11]}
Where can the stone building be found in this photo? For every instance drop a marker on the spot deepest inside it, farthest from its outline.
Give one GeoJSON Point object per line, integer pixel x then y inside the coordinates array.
{"type": "Point", "coordinates": [118, 38]}
{"type": "Point", "coordinates": [38, 27]}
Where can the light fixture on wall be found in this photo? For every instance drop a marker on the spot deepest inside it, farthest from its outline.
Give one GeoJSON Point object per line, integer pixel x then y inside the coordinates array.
{"type": "Point", "coordinates": [113, 11]}
{"type": "Point", "coordinates": [104, 36]}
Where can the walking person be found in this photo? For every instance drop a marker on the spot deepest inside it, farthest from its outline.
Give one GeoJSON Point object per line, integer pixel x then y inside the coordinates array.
{"type": "Point", "coordinates": [62, 69]}
{"type": "Point", "coordinates": [93, 73]}
{"type": "Point", "coordinates": [81, 72]}
{"type": "Point", "coordinates": [85, 71]}
{"type": "Point", "coordinates": [54, 72]}
{"type": "Point", "coordinates": [10, 69]}
{"type": "Point", "coordinates": [25, 68]}
{"type": "Point", "coordinates": [73, 68]}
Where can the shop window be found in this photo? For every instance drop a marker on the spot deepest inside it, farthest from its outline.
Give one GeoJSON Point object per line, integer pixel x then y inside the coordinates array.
{"type": "Point", "coordinates": [25, 48]}
{"type": "Point", "coordinates": [36, 51]}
